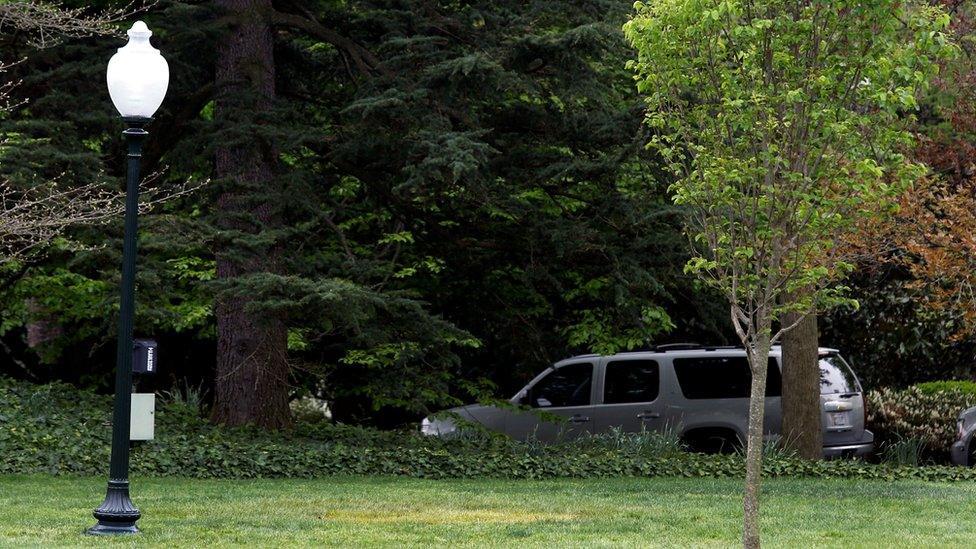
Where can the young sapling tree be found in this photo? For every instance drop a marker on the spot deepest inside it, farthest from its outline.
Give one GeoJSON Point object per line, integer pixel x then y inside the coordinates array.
{"type": "Point", "coordinates": [782, 124]}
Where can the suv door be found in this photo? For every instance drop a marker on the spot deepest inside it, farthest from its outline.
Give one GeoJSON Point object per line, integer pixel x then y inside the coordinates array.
{"type": "Point", "coordinates": [631, 396]}
{"type": "Point", "coordinates": [564, 392]}
{"type": "Point", "coordinates": [714, 398]}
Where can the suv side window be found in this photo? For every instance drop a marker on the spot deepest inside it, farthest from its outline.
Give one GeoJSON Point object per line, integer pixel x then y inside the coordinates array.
{"type": "Point", "coordinates": [631, 381]}
{"type": "Point", "coordinates": [568, 385]}
{"type": "Point", "coordinates": [722, 377]}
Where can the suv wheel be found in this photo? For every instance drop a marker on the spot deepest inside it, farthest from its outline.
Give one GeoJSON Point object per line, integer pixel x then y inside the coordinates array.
{"type": "Point", "coordinates": [713, 441]}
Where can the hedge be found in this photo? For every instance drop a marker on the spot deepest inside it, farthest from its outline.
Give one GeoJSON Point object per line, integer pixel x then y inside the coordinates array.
{"type": "Point", "coordinates": [955, 386]}
{"type": "Point", "coordinates": [919, 413]}
{"type": "Point", "coordinates": [58, 429]}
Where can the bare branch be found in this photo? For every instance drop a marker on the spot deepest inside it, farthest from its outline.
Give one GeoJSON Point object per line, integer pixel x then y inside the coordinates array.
{"type": "Point", "coordinates": [46, 24]}
{"type": "Point", "coordinates": [30, 219]}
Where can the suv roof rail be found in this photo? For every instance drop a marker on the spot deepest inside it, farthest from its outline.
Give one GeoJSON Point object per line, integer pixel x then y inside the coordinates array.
{"type": "Point", "coordinates": [691, 347]}
{"type": "Point", "coordinates": [676, 347]}
{"type": "Point", "coordinates": [665, 347]}
{"type": "Point", "coordinates": [587, 355]}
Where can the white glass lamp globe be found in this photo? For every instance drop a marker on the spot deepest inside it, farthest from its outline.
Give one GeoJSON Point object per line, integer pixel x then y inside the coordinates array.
{"type": "Point", "coordinates": [137, 75]}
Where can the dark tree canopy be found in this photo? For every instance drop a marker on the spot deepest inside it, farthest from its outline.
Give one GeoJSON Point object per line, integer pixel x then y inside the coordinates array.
{"type": "Point", "coordinates": [455, 195]}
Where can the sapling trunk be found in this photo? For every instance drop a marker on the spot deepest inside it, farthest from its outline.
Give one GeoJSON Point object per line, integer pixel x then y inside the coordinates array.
{"type": "Point", "coordinates": [758, 363]}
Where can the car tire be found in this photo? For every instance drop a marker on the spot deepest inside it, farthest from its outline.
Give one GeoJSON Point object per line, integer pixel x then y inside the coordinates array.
{"type": "Point", "coordinates": [713, 441]}
{"type": "Point", "coordinates": [724, 445]}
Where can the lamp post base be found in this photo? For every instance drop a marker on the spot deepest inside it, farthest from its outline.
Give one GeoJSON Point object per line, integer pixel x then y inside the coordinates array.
{"type": "Point", "coordinates": [112, 529]}
{"type": "Point", "coordinates": [116, 515]}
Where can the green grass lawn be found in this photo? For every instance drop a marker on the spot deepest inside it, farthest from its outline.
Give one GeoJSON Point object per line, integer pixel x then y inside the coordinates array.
{"type": "Point", "coordinates": [399, 512]}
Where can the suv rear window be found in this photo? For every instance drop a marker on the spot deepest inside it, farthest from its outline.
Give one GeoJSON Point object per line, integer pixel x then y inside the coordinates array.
{"type": "Point", "coordinates": [836, 376]}
{"type": "Point", "coordinates": [722, 377]}
{"type": "Point", "coordinates": [631, 381]}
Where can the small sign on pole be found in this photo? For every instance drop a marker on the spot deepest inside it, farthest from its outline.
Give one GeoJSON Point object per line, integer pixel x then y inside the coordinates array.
{"type": "Point", "coordinates": [144, 356]}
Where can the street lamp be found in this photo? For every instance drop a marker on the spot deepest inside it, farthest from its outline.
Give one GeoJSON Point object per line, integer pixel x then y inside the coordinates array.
{"type": "Point", "coordinates": [137, 79]}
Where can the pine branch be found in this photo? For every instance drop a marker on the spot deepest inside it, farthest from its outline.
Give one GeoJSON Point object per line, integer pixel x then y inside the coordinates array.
{"type": "Point", "coordinates": [366, 63]}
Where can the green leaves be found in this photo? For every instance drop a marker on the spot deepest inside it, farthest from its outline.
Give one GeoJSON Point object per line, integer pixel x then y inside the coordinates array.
{"type": "Point", "coordinates": [595, 329]}
{"type": "Point", "coordinates": [781, 125]}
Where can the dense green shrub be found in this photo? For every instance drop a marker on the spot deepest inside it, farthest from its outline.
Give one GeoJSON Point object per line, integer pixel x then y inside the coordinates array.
{"type": "Point", "coordinates": [933, 387]}
{"type": "Point", "coordinates": [59, 429]}
{"type": "Point", "coordinates": [913, 413]}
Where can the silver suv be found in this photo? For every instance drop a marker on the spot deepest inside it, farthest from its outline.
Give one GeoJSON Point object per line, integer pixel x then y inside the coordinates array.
{"type": "Point", "coordinates": [700, 392]}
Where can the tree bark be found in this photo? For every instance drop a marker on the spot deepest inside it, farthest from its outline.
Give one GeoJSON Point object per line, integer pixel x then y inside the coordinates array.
{"type": "Point", "coordinates": [802, 432]}
{"type": "Point", "coordinates": [43, 327]}
{"type": "Point", "coordinates": [759, 364]}
{"type": "Point", "coordinates": [252, 364]}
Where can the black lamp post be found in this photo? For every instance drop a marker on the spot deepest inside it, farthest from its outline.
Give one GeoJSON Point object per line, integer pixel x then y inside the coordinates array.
{"type": "Point", "coordinates": [137, 80]}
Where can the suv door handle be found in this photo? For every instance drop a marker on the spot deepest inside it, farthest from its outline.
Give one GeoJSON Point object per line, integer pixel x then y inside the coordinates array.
{"type": "Point", "coordinates": [579, 418]}
{"type": "Point", "coordinates": [648, 415]}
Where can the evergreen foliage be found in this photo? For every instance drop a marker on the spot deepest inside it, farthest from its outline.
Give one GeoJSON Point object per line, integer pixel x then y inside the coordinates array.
{"type": "Point", "coordinates": [462, 192]}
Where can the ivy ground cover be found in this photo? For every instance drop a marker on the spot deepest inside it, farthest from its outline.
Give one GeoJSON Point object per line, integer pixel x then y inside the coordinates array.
{"type": "Point", "coordinates": [41, 510]}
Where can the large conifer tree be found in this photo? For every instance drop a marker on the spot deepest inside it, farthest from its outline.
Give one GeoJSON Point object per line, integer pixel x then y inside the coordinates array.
{"type": "Point", "coordinates": [409, 198]}
{"type": "Point", "coordinates": [252, 363]}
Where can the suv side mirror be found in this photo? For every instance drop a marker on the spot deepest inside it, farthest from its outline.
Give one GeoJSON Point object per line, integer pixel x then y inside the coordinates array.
{"type": "Point", "coordinates": [522, 397]}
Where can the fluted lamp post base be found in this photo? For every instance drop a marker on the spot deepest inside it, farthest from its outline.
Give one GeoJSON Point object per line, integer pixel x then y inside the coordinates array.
{"type": "Point", "coordinates": [116, 515]}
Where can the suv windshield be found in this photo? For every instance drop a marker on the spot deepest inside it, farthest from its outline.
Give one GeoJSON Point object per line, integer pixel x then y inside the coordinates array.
{"type": "Point", "coordinates": [836, 376]}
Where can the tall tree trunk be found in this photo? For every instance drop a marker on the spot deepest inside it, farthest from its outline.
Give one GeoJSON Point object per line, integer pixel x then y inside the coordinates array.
{"type": "Point", "coordinates": [802, 432]}
{"type": "Point", "coordinates": [43, 326]}
{"type": "Point", "coordinates": [252, 365]}
{"type": "Point", "coordinates": [759, 364]}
